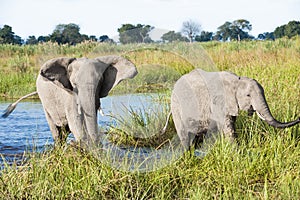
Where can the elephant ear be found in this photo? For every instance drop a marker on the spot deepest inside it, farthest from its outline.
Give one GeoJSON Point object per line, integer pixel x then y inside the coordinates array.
{"type": "Point", "coordinates": [118, 69]}
{"type": "Point", "coordinates": [56, 70]}
{"type": "Point", "coordinates": [230, 83]}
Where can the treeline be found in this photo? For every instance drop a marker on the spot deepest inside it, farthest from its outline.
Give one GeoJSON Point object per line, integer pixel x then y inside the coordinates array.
{"type": "Point", "coordinates": [62, 34]}
{"type": "Point", "coordinates": [128, 33]}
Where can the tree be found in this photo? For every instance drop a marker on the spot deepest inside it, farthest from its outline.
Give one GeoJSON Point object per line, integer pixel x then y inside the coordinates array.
{"type": "Point", "coordinates": [31, 40]}
{"type": "Point", "coordinates": [84, 37]}
{"type": "Point", "coordinates": [105, 38]}
{"type": "Point", "coordinates": [292, 29]}
{"type": "Point", "coordinates": [279, 31]}
{"type": "Point", "coordinates": [135, 34]}
{"type": "Point", "coordinates": [57, 35]}
{"type": "Point", "coordinates": [190, 29]}
{"type": "Point", "coordinates": [43, 39]}
{"type": "Point", "coordinates": [93, 38]}
{"type": "Point", "coordinates": [266, 36]}
{"type": "Point", "coordinates": [236, 30]}
{"type": "Point", "coordinates": [172, 36]}
{"type": "Point", "coordinates": [18, 40]}
{"type": "Point", "coordinates": [240, 29]}
{"type": "Point", "coordinates": [7, 36]}
{"type": "Point", "coordinates": [67, 34]}
{"type": "Point", "coordinates": [223, 32]}
{"type": "Point", "coordinates": [289, 30]}
{"type": "Point", "coordinates": [205, 36]}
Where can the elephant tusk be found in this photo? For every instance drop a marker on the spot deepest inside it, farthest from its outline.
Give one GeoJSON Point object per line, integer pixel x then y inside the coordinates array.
{"type": "Point", "coordinates": [79, 109]}
{"type": "Point", "coordinates": [260, 116]}
{"type": "Point", "coordinates": [166, 125]}
{"type": "Point", "coordinates": [78, 103]}
{"type": "Point", "coordinates": [101, 112]}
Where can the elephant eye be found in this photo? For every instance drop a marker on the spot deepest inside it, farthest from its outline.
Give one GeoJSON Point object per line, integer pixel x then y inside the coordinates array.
{"type": "Point", "coordinates": [248, 95]}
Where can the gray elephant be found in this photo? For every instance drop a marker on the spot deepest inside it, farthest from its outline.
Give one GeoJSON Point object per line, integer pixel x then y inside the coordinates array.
{"type": "Point", "coordinates": [70, 90]}
{"type": "Point", "coordinates": [204, 102]}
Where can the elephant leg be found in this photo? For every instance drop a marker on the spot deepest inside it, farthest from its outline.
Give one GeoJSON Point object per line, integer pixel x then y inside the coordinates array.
{"type": "Point", "coordinates": [186, 139]}
{"type": "Point", "coordinates": [229, 128]}
{"type": "Point", "coordinates": [53, 128]}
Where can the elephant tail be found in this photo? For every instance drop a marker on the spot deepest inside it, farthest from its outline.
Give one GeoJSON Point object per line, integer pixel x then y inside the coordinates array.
{"type": "Point", "coordinates": [12, 106]}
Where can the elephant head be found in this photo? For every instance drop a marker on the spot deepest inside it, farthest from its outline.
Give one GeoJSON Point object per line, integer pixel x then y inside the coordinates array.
{"type": "Point", "coordinates": [247, 94]}
{"type": "Point", "coordinates": [85, 81]}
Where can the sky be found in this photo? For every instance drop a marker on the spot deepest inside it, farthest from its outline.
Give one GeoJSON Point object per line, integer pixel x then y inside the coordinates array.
{"type": "Point", "coordinates": [99, 17]}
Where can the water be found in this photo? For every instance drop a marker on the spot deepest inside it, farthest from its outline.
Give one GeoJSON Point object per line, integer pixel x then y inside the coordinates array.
{"type": "Point", "coordinates": [26, 129]}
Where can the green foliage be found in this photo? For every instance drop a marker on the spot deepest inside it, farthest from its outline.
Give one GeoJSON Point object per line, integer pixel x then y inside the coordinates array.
{"type": "Point", "coordinates": [290, 30]}
{"type": "Point", "coordinates": [134, 34]}
{"type": "Point", "coordinates": [32, 40]}
{"type": "Point", "coordinates": [171, 36]}
{"type": "Point", "coordinates": [14, 85]}
{"type": "Point", "coordinates": [205, 36]}
{"type": "Point", "coordinates": [67, 34]}
{"type": "Point", "coordinates": [7, 36]}
{"type": "Point", "coordinates": [236, 30]}
{"type": "Point", "coordinates": [43, 39]}
{"type": "Point", "coordinates": [266, 36]}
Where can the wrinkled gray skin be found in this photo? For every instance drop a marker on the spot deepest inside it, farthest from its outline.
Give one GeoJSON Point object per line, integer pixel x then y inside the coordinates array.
{"type": "Point", "coordinates": [70, 90]}
{"type": "Point", "coordinates": [210, 101]}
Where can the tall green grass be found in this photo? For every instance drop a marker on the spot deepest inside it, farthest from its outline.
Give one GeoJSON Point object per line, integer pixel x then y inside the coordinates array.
{"type": "Point", "coordinates": [262, 163]}
{"type": "Point", "coordinates": [14, 85]}
{"type": "Point", "coordinates": [266, 167]}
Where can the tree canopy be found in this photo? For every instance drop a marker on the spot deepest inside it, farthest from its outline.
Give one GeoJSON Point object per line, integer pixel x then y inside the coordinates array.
{"type": "Point", "coordinates": [139, 33]}
{"type": "Point", "coordinates": [172, 36]}
{"type": "Point", "coordinates": [236, 30]}
{"type": "Point", "coordinates": [7, 36]}
{"type": "Point", "coordinates": [32, 40]}
{"type": "Point", "coordinates": [266, 36]}
{"type": "Point", "coordinates": [204, 36]}
{"type": "Point", "coordinates": [289, 30]}
{"type": "Point", "coordinates": [67, 34]}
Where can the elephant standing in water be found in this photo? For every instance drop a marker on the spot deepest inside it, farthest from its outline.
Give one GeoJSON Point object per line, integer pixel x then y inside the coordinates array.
{"type": "Point", "coordinates": [70, 90]}
{"type": "Point", "coordinates": [210, 101]}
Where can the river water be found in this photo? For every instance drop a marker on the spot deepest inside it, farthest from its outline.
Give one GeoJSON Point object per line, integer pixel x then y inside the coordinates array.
{"type": "Point", "coordinates": [26, 129]}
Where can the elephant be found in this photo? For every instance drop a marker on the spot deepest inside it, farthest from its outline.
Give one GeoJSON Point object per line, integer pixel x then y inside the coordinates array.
{"type": "Point", "coordinates": [70, 90]}
{"type": "Point", "coordinates": [203, 102]}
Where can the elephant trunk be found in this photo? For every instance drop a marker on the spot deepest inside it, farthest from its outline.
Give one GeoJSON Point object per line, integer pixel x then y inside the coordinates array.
{"type": "Point", "coordinates": [89, 112]}
{"type": "Point", "coordinates": [263, 111]}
